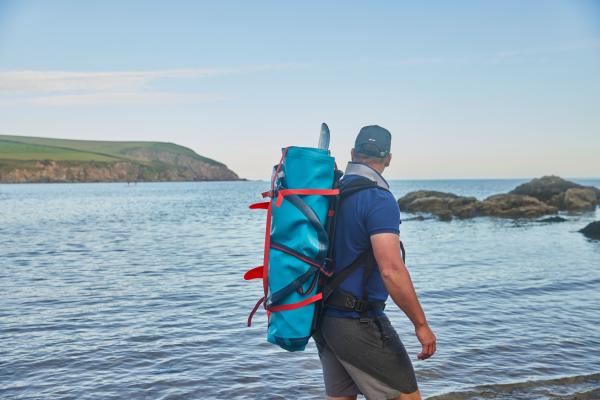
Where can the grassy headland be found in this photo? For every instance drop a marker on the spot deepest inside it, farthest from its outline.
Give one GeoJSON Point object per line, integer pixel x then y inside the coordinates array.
{"type": "Point", "coordinates": [33, 159]}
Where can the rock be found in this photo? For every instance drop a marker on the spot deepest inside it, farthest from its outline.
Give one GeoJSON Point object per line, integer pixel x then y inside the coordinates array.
{"type": "Point", "coordinates": [580, 199]}
{"type": "Point", "coordinates": [544, 188]}
{"type": "Point", "coordinates": [464, 207]}
{"type": "Point", "coordinates": [443, 205]}
{"type": "Point", "coordinates": [552, 219]}
{"type": "Point", "coordinates": [540, 196]}
{"type": "Point", "coordinates": [592, 230]}
{"type": "Point", "coordinates": [552, 190]}
{"type": "Point", "coordinates": [417, 218]}
{"type": "Point", "coordinates": [445, 215]}
{"type": "Point", "coordinates": [514, 206]}
{"type": "Point", "coordinates": [433, 205]}
{"type": "Point", "coordinates": [405, 201]}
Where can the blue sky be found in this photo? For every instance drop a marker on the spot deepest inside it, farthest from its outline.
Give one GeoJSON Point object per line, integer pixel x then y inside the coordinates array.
{"type": "Point", "coordinates": [468, 89]}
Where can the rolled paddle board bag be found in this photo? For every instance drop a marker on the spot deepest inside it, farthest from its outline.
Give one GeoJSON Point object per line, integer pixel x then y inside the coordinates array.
{"type": "Point", "coordinates": [296, 243]}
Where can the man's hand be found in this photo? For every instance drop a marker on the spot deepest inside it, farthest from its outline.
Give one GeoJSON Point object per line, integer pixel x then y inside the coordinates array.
{"type": "Point", "coordinates": [427, 339]}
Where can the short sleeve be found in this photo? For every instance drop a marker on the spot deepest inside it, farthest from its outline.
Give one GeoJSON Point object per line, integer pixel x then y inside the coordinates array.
{"type": "Point", "coordinates": [383, 215]}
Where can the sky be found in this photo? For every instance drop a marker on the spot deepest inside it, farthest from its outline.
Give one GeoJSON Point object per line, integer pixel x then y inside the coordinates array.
{"type": "Point", "coordinates": [468, 89]}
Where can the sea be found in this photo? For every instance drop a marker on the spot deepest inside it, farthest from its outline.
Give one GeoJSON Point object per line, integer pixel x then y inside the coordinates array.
{"type": "Point", "coordinates": [135, 291]}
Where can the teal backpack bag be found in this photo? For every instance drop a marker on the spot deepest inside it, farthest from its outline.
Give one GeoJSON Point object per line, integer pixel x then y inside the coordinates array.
{"type": "Point", "coordinates": [300, 210]}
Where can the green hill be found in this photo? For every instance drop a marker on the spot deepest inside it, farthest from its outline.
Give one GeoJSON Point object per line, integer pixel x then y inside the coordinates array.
{"type": "Point", "coordinates": [33, 159]}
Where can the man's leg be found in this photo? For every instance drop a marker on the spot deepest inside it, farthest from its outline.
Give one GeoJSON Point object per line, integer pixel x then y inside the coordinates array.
{"type": "Point", "coordinates": [373, 356]}
{"type": "Point", "coordinates": [410, 396]}
{"type": "Point", "coordinates": [338, 383]}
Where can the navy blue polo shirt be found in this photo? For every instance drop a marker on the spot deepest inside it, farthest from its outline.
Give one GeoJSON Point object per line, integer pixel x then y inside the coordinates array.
{"type": "Point", "coordinates": [360, 216]}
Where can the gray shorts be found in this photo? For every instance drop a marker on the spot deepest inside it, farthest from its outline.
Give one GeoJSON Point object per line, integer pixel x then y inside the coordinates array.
{"type": "Point", "coordinates": [363, 358]}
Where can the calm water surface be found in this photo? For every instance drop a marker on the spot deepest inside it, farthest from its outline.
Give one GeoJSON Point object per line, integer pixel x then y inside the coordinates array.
{"type": "Point", "coordinates": [116, 291]}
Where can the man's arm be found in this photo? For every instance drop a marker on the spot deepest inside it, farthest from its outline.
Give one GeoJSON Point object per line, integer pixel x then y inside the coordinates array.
{"type": "Point", "coordinates": [386, 247]}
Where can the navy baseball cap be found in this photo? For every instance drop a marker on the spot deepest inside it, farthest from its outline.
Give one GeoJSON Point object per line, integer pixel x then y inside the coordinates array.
{"type": "Point", "coordinates": [373, 140]}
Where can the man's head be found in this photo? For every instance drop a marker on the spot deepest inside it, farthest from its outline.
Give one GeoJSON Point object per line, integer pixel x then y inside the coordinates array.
{"type": "Point", "coordinates": [372, 147]}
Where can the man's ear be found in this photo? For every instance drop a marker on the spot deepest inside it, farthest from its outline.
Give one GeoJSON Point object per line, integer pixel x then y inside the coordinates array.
{"type": "Point", "coordinates": [352, 154]}
{"type": "Point", "coordinates": [388, 159]}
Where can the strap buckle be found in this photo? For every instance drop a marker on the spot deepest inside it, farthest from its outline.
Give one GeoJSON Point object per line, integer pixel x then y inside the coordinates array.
{"type": "Point", "coordinates": [350, 302]}
{"type": "Point", "coordinates": [355, 304]}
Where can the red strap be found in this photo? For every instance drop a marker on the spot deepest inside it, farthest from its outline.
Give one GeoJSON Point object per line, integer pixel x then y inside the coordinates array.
{"type": "Point", "coordinates": [263, 205]}
{"type": "Point", "coordinates": [266, 194]}
{"type": "Point", "coordinates": [293, 306]}
{"type": "Point", "coordinates": [260, 301]}
{"type": "Point", "coordinates": [330, 213]}
{"type": "Point", "coordinates": [319, 192]}
{"type": "Point", "coordinates": [254, 273]}
{"type": "Point", "coordinates": [267, 250]}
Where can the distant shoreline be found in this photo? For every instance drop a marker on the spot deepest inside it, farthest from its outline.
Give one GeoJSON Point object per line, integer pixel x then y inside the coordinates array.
{"type": "Point", "coordinates": [125, 182]}
{"type": "Point", "coordinates": [26, 159]}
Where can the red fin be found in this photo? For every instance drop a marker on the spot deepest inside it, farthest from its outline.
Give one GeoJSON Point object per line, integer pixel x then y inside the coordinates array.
{"type": "Point", "coordinates": [254, 273]}
{"type": "Point", "coordinates": [262, 205]}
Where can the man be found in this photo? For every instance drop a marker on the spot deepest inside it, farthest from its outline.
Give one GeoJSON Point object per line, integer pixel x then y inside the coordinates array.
{"type": "Point", "coordinates": [359, 349]}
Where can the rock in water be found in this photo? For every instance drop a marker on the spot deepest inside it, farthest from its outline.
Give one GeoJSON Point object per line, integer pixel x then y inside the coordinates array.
{"type": "Point", "coordinates": [553, 190]}
{"type": "Point", "coordinates": [417, 218]}
{"type": "Point", "coordinates": [441, 204]}
{"type": "Point", "coordinates": [592, 230]}
{"type": "Point", "coordinates": [552, 219]}
{"type": "Point", "coordinates": [540, 196]}
{"type": "Point", "coordinates": [544, 188]}
{"type": "Point", "coordinates": [405, 201]}
{"type": "Point", "coordinates": [515, 206]}
{"type": "Point", "coordinates": [580, 199]}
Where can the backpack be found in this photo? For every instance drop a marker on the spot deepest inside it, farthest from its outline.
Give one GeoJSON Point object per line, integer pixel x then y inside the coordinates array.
{"type": "Point", "coordinates": [298, 258]}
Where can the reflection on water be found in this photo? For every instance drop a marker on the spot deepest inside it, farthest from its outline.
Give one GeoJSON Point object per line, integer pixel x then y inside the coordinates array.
{"type": "Point", "coordinates": [116, 291]}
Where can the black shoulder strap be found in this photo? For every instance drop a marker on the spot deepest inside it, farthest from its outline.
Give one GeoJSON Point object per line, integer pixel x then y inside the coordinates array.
{"type": "Point", "coordinates": [357, 185]}
{"type": "Point", "coordinates": [346, 190]}
{"type": "Point", "coordinates": [367, 258]}
{"type": "Point", "coordinates": [337, 280]}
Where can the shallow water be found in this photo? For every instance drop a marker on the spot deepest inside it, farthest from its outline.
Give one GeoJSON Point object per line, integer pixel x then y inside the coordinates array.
{"type": "Point", "coordinates": [117, 291]}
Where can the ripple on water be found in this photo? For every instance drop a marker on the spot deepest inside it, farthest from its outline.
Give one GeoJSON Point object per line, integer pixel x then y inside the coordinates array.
{"type": "Point", "coordinates": [116, 291]}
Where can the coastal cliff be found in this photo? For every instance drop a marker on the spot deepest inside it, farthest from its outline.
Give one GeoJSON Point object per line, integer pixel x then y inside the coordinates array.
{"type": "Point", "coordinates": [29, 159]}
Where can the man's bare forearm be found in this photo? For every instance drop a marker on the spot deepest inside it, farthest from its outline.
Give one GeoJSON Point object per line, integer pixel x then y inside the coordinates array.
{"type": "Point", "coordinates": [386, 247]}
{"type": "Point", "coordinates": [400, 287]}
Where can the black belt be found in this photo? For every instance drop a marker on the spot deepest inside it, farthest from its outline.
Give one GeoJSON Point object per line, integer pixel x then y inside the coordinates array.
{"type": "Point", "coordinates": [345, 301]}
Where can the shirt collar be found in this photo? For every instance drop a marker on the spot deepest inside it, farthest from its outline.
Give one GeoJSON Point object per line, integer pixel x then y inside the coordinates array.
{"type": "Point", "coordinates": [355, 168]}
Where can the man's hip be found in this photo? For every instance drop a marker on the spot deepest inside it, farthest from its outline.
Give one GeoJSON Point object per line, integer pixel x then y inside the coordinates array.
{"type": "Point", "coordinates": [363, 357]}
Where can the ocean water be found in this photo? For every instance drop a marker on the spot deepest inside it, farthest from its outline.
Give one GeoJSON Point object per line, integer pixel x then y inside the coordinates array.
{"type": "Point", "coordinates": [112, 291]}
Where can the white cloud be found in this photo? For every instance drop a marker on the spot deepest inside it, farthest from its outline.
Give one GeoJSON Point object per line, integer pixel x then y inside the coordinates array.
{"type": "Point", "coordinates": [111, 99]}
{"type": "Point", "coordinates": [114, 88]}
{"type": "Point", "coordinates": [79, 81]}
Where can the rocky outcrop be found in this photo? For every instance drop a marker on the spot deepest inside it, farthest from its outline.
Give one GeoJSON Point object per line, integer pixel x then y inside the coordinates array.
{"type": "Point", "coordinates": [579, 199]}
{"type": "Point", "coordinates": [592, 230]}
{"type": "Point", "coordinates": [448, 205]}
{"type": "Point", "coordinates": [120, 171]}
{"type": "Point", "coordinates": [443, 205]}
{"type": "Point", "coordinates": [514, 206]}
{"type": "Point", "coordinates": [560, 193]}
{"type": "Point", "coordinates": [542, 196]}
